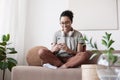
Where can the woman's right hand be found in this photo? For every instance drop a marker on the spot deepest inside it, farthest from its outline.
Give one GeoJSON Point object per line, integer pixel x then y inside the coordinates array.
{"type": "Point", "coordinates": [55, 48]}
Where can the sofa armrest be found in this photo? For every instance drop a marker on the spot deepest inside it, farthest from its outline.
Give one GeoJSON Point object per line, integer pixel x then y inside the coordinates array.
{"type": "Point", "coordinates": [40, 73]}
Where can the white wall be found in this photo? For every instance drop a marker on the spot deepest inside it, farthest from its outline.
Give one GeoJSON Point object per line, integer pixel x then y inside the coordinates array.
{"type": "Point", "coordinates": [43, 21]}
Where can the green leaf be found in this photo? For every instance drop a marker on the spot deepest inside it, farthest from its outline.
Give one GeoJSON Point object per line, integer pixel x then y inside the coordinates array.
{"type": "Point", "coordinates": [104, 37]}
{"type": "Point", "coordinates": [85, 38]}
{"type": "Point", "coordinates": [12, 60]}
{"type": "Point", "coordinates": [106, 33]}
{"type": "Point", "coordinates": [114, 59]}
{"type": "Point", "coordinates": [104, 42]}
{"type": "Point", "coordinates": [11, 51]}
{"type": "Point", "coordinates": [2, 57]}
{"type": "Point", "coordinates": [3, 43]}
{"type": "Point", "coordinates": [5, 38]}
{"type": "Point", "coordinates": [110, 43]}
{"type": "Point", "coordinates": [2, 49]}
{"type": "Point", "coordinates": [11, 65]}
{"type": "Point", "coordinates": [95, 45]}
{"type": "Point", "coordinates": [91, 43]}
{"type": "Point", "coordinates": [2, 53]}
{"type": "Point", "coordinates": [108, 36]}
{"type": "Point", "coordinates": [111, 50]}
{"type": "Point", "coordinates": [3, 65]}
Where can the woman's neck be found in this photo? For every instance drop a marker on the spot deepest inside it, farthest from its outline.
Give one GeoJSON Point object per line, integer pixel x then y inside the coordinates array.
{"type": "Point", "coordinates": [71, 29]}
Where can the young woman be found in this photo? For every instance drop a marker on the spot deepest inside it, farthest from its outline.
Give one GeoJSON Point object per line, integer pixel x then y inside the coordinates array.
{"type": "Point", "coordinates": [68, 47]}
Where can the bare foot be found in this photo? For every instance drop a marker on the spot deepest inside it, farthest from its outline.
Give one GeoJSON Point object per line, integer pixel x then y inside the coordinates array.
{"type": "Point", "coordinates": [63, 67]}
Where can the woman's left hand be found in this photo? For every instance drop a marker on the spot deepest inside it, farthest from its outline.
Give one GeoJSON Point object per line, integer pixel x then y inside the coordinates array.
{"type": "Point", "coordinates": [64, 47]}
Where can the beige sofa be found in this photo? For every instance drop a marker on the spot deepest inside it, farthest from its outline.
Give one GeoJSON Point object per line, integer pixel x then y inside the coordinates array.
{"type": "Point", "coordinates": [40, 73]}
{"type": "Point", "coordinates": [35, 72]}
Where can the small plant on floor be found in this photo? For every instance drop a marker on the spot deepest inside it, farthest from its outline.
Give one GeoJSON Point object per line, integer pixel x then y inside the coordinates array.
{"type": "Point", "coordinates": [107, 42]}
{"type": "Point", "coordinates": [5, 61]}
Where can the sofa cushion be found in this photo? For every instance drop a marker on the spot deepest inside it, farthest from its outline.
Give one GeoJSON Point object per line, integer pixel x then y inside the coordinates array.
{"type": "Point", "coordinates": [41, 73]}
{"type": "Point", "coordinates": [32, 56]}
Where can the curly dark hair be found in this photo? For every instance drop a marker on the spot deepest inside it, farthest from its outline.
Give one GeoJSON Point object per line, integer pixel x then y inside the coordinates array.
{"type": "Point", "coordinates": [67, 13]}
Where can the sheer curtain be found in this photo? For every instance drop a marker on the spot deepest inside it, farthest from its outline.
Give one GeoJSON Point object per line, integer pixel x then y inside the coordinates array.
{"type": "Point", "coordinates": [12, 20]}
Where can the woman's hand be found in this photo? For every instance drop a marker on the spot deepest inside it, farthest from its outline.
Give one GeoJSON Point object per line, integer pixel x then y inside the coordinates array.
{"type": "Point", "coordinates": [63, 46]}
{"type": "Point", "coordinates": [55, 48]}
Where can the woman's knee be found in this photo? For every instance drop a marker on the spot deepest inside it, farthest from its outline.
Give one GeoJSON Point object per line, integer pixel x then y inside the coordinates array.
{"type": "Point", "coordinates": [42, 51]}
{"type": "Point", "coordinates": [84, 55]}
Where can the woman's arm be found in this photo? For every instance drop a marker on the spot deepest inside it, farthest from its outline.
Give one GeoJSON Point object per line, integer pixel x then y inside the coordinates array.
{"type": "Point", "coordinates": [81, 47]}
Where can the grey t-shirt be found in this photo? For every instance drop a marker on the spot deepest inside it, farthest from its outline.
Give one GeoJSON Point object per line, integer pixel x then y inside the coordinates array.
{"type": "Point", "coordinates": [72, 39]}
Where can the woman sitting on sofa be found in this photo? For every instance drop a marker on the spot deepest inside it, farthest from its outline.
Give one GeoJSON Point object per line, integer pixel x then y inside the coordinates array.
{"type": "Point", "coordinates": [67, 50]}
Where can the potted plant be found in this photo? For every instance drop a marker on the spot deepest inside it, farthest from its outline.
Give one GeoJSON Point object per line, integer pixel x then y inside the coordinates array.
{"type": "Point", "coordinates": [6, 62]}
{"type": "Point", "coordinates": [107, 73]}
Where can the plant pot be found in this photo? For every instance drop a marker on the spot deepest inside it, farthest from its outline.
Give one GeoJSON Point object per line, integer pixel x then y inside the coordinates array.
{"type": "Point", "coordinates": [103, 60]}
{"type": "Point", "coordinates": [108, 73]}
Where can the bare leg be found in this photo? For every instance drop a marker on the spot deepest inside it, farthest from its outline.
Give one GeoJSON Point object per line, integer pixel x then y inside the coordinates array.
{"type": "Point", "coordinates": [77, 60]}
{"type": "Point", "coordinates": [48, 57]}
